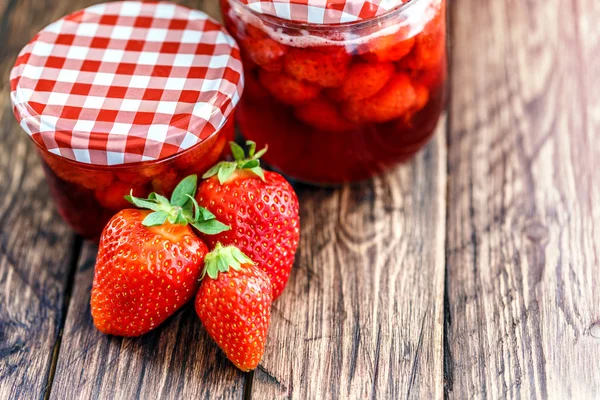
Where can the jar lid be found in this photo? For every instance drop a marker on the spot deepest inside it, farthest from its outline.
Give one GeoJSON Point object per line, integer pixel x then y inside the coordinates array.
{"type": "Point", "coordinates": [323, 11]}
{"type": "Point", "coordinates": [125, 82]}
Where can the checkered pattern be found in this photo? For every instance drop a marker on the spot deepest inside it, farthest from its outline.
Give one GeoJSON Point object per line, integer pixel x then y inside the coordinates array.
{"type": "Point", "coordinates": [323, 11]}
{"type": "Point", "coordinates": [126, 82]}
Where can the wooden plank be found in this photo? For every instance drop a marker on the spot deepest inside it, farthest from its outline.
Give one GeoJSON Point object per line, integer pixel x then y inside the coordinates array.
{"type": "Point", "coordinates": [362, 314]}
{"type": "Point", "coordinates": [35, 246]}
{"type": "Point", "coordinates": [176, 361]}
{"type": "Point", "coordinates": [523, 229]}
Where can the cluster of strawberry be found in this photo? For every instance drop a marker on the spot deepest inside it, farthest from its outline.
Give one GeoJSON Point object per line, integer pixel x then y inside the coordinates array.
{"type": "Point", "coordinates": [344, 112]}
{"type": "Point", "coordinates": [154, 259]}
{"type": "Point", "coordinates": [88, 195]}
{"type": "Point", "coordinates": [340, 88]}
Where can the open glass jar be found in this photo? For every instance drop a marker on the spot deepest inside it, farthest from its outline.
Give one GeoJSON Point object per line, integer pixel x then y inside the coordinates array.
{"type": "Point", "coordinates": [126, 96]}
{"type": "Point", "coordinates": [339, 95]}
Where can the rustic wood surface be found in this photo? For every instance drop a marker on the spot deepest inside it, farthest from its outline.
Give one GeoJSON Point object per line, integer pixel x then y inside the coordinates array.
{"type": "Point", "coordinates": [362, 316]}
{"type": "Point", "coordinates": [36, 249]}
{"type": "Point", "coordinates": [523, 233]}
{"type": "Point", "coordinates": [471, 272]}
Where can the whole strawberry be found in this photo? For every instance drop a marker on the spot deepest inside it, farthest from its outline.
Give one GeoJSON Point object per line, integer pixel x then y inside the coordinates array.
{"type": "Point", "coordinates": [149, 262]}
{"type": "Point", "coordinates": [262, 209]}
{"type": "Point", "coordinates": [234, 305]}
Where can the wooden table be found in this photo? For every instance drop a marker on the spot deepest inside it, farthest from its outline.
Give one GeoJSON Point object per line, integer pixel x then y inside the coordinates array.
{"type": "Point", "coordinates": [472, 272]}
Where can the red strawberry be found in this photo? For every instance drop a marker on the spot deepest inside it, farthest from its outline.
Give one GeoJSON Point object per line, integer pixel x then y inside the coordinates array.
{"type": "Point", "coordinates": [395, 99]}
{"type": "Point", "coordinates": [323, 115]}
{"type": "Point", "coordinates": [287, 89]}
{"type": "Point", "coordinates": [363, 81]}
{"type": "Point", "coordinates": [149, 263]}
{"type": "Point", "coordinates": [324, 66]}
{"type": "Point", "coordinates": [428, 52]}
{"type": "Point", "coordinates": [264, 52]}
{"type": "Point", "coordinates": [389, 48]}
{"type": "Point", "coordinates": [234, 305]}
{"type": "Point", "coordinates": [261, 208]}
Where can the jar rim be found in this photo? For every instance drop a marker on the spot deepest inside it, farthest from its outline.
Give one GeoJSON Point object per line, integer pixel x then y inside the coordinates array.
{"type": "Point", "coordinates": [290, 24]}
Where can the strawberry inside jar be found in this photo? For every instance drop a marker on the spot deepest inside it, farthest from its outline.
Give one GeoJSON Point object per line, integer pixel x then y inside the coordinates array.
{"type": "Point", "coordinates": [341, 91]}
{"type": "Point", "coordinates": [126, 97]}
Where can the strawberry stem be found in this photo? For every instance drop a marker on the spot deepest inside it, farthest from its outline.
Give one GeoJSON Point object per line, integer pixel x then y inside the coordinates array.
{"type": "Point", "coordinates": [225, 169]}
{"type": "Point", "coordinates": [181, 209]}
{"type": "Point", "coordinates": [220, 259]}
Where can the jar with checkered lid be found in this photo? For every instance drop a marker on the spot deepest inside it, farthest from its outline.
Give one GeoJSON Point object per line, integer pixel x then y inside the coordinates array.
{"type": "Point", "coordinates": [340, 89]}
{"type": "Point", "coordinates": [126, 96]}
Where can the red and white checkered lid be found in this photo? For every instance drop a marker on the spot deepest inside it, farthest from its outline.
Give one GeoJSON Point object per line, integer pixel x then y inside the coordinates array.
{"type": "Point", "coordinates": [126, 82]}
{"type": "Point", "coordinates": [324, 11]}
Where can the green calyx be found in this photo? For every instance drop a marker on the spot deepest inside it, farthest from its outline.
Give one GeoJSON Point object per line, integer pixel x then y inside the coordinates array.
{"type": "Point", "coordinates": [181, 209]}
{"type": "Point", "coordinates": [220, 259]}
{"type": "Point", "coordinates": [225, 169]}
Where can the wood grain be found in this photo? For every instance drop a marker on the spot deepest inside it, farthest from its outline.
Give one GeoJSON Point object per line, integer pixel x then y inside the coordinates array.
{"type": "Point", "coordinates": [523, 230]}
{"type": "Point", "coordinates": [175, 361]}
{"type": "Point", "coordinates": [362, 314]}
{"type": "Point", "coordinates": [35, 246]}
{"type": "Point", "coordinates": [35, 249]}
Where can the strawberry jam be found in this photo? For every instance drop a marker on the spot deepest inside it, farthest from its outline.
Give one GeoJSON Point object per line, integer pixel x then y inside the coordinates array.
{"type": "Point", "coordinates": [340, 103]}
{"type": "Point", "coordinates": [87, 196]}
{"type": "Point", "coordinates": [126, 97]}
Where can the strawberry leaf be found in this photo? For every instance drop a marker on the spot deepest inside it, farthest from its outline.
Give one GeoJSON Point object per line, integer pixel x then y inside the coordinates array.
{"type": "Point", "coordinates": [260, 153]}
{"type": "Point", "coordinates": [211, 227]}
{"type": "Point", "coordinates": [141, 203]}
{"type": "Point", "coordinates": [259, 171]}
{"type": "Point", "coordinates": [226, 169]}
{"type": "Point", "coordinates": [237, 151]}
{"type": "Point", "coordinates": [184, 190]}
{"type": "Point", "coordinates": [251, 148]}
{"type": "Point", "coordinates": [212, 171]}
{"type": "Point", "coordinates": [250, 164]}
{"type": "Point", "coordinates": [225, 172]}
{"type": "Point", "coordinates": [205, 214]}
{"type": "Point", "coordinates": [183, 209]}
{"type": "Point", "coordinates": [221, 259]}
{"type": "Point", "coordinates": [156, 218]}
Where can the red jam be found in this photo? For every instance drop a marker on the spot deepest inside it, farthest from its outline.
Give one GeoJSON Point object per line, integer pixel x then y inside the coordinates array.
{"type": "Point", "coordinates": [87, 195]}
{"type": "Point", "coordinates": [345, 110]}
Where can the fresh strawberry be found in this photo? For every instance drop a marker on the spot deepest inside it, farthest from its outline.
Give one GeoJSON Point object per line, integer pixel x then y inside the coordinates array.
{"type": "Point", "coordinates": [323, 115]}
{"type": "Point", "coordinates": [113, 197]}
{"type": "Point", "coordinates": [261, 208]}
{"type": "Point", "coordinates": [287, 89]}
{"type": "Point", "coordinates": [325, 66]}
{"type": "Point", "coordinates": [363, 81]}
{"type": "Point", "coordinates": [149, 263]}
{"type": "Point", "coordinates": [394, 100]}
{"type": "Point", "coordinates": [234, 305]}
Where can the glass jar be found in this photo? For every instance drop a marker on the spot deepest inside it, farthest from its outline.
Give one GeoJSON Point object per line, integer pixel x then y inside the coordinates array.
{"type": "Point", "coordinates": [341, 102]}
{"type": "Point", "coordinates": [126, 97]}
{"type": "Point", "coordinates": [88, 195]}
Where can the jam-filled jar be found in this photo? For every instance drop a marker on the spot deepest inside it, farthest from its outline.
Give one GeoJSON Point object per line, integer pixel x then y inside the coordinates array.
{"type": "Point", "coordinates": [126, 97]}
{"type": "Point", "coordinates": [339, 89]}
